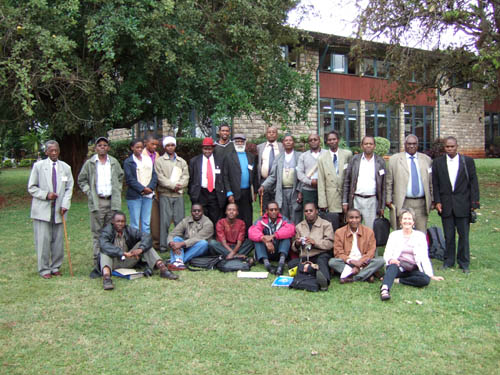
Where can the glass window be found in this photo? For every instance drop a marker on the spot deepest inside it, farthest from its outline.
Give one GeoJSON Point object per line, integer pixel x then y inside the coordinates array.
{"type": "Point", "coordinates": [342, 116]}
{"type": "Point", "coordinates": [326, 65]}
{"type": "Point", "coordinates": [381, 128]}
{"type": "Point", "coordinates": [353, 123]}
{"type": "Point", "coordinates": [338, 62]}
{"type": "Point", "coordinates": [382, 120]}
{"type": "Point", "coordinates": [369, 67]}
{"type": "Point", "coordinates": [370, 119]}
{"type": "Point", "coordinates": [382, 71]}
{"type": "Point", "coordinates": [420, 121]}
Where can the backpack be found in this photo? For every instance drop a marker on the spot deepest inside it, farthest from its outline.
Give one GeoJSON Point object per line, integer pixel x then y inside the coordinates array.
{"type": "Point", "coordinates": [233, 265]}
{"type": "Point", "coordinates": [437, 245]}
{"type": "Point", "coordinates": [381, 228]}
{"type": "Point", "coordinates": [204, 263]}
{"type": "Point", "coordinates": [333, 218]}
{"type": "Point", "coordinates": [305, 280]}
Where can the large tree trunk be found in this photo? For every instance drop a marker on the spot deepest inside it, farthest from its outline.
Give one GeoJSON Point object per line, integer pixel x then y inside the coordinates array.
{"type": "Point", "coordinates": [74, 149]}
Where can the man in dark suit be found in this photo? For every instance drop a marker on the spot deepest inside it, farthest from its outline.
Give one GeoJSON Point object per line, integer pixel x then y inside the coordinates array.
{"type": "Point", "coordinates": [205, 181]}
{"type": "Point", "coordinates": [268, 152]}
{"type": "Point", "coordinates": [456, 195]}
{"type": "Point", "coordinates": [240, 177]}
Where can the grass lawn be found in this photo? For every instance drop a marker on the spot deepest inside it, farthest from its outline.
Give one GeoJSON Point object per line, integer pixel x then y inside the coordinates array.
{"type": "Point", "coordinates": [214, 323]}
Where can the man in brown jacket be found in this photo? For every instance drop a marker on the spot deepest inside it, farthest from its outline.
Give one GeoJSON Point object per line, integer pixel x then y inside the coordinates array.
{"type": "Point", "coordinates": [314, 240]}
{"type": "Point", "coordinates": [354, 251]}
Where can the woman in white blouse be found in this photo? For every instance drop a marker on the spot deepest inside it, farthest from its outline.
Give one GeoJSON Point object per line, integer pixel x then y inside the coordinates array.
{"type": "Point", "coordinates": [141, 181]}
{"type": "Point", "coordinates": [406, 257]}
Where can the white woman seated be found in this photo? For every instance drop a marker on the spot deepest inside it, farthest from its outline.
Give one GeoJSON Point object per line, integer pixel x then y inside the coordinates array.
{"type": "Point", "coordinates": [406, 257]}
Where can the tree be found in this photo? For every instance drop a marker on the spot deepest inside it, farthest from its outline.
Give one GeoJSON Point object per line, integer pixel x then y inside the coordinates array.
{"type": "Point", "coordinates": [82, 67]}
{"type": "Point", "coordinates": [472, 57]}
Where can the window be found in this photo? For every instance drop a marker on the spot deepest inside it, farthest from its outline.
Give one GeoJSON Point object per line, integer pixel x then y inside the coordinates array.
{"type": "Point", "coordinates": [338, 63]}
{"type": "Point", "coordinates": [491, 127]}
{"type": "Point", "coordinates": [374, 68]}
{"type": "Point", "coordinates": [342, 116]}
{"type": "Point", "coordinates": [420, 121]}
{"type": "Point", "coordinates": [382, 120]}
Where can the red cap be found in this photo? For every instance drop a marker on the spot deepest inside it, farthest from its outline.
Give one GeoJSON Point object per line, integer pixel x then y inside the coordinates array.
{"type": "Point", "coordinates": [208, 142]}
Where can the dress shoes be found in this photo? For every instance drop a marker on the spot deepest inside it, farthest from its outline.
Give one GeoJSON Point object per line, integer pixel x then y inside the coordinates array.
{"type": "Point", "coordinates": [57, 273]}
{"type": "Point", "coordinates": [347, 280]}
{"type": "Point", "coordinates": [322, 281]}
{"type": "Point", "coordinates": [107, 283]}
{"type": "Point", "coordinates": [279, 270]}
{"type": "Point", "coordinates": [166, 274]}
{"type": "Point", "coordinates": [47, 276]}
{"type": "Point", "coordinates": [271, 269]}
{"type": "Point", "coordinates": [465, 270]}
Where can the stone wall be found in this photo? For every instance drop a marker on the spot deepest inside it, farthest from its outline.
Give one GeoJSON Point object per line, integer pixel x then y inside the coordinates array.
{"type": "Point", "coordinates": [462, 116]}
{"type": "Point", "coordinates": [254, 126]}
{"type": "Point", "coordinates": [119, 134]}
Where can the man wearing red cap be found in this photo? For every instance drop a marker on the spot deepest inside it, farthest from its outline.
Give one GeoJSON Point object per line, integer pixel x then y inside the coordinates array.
{"type": "Point", "coordinates": [206, 186]}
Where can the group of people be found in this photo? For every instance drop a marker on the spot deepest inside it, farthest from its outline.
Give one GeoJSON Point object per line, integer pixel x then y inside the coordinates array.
{"type": "Point", "coordinates": [295, 189]}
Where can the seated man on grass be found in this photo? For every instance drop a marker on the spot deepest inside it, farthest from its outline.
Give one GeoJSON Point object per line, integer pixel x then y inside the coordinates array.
{"type": "Point", "coordinates": [354, 251]}
{"type": "Point", "coordinates": [122, 246]}
{"type": "Point", "coordinates": [189, 239]}
{"type": "Point", "coordinates": [231, 233]}
{"type": "Point", "coordinates": [314, 240]}
{"type": "Point", "coordinates": [271, 235]}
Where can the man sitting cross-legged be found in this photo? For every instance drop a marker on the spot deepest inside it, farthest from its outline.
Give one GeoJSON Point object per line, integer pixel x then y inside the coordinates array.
{"type": "Point", "coordinates": [354, 251]}
{"type": "Point", "coordinates": [122, 246]}
{"type": "Point", "coordinates": [271, 235]}
{"type": "Point", "coordinates": [314, 240]}
{"type": "Point", "coordinates": [189, 239]}
{"type": "Point", "coordinates": [231, 233]}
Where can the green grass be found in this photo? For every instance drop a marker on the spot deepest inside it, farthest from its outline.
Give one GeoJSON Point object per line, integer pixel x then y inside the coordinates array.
{"type": "Point", "coordinates": [214, 323]}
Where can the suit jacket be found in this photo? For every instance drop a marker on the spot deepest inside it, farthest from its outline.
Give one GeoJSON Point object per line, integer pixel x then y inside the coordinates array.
{"type": "Point", "coordinates": [274, 182]}
{"type": "Point", "coordinates": [260, 150]}
{"type": "Point", "coordinates": [398, 175]}
{"type": "Point", "coordinates": [329, 184]}
{"type": "Point", "coordinates": [232, 173]}
{"type": "Point", "coordinates": [456, 202]}
{"type": "Point", "coordinates": [351, 180]}
{"type": "Point", "coordinates": [40, 184]}
{"type": "Point", "coordinates": [194, 187]}
{"type": "Point", "coordinates": [87, 182]}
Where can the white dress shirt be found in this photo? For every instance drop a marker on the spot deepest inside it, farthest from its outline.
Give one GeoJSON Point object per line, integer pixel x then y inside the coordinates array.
{"type": "Point", "coordinates": [103, 177]}
{"type": "Point", "coordinates": [452, 169]}
{"type": "Point", "coordinates": [264, 172]}
{"type": "Point", "coordinates": [367, 184]}
{"type": "Point", "coordinates": [355, 254]}
{"type": "Point", "coordinates": [204, 180]}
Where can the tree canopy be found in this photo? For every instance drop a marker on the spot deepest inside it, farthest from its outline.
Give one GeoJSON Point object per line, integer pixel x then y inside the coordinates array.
{"type": "Point", "coordinates": [85, 66]}
{"type": "Point", "coordinates": [463, 37]}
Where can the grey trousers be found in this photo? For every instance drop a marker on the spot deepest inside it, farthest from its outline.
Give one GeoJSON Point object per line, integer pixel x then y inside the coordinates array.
{"type": "Point", "coordinates": [98, 220]}
{"type": "Point", "coordinates": [287, 207]}
{"type": "Point", "coordinates": [376, 263]}
{"type": "Point", "coordinates": [171, 208]}
{"type": "Point", "coordinates": [49, 246]}
{"type": "Point", "coordinates": [150, 257]}
{"type": "Point", "coordinates": [421, 217]}
{"type": "Point", "coordinates": [216, 248]}
{"type": "Point", "coordinates": [368, 208]}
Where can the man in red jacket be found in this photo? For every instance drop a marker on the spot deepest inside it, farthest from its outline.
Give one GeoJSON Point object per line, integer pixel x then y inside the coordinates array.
{"type": "Point", "coordinates": [271, 235]}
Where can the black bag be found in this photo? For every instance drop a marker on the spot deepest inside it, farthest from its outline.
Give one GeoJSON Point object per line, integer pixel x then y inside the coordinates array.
{"type": "Point", "coordinates": [204, 263]}
{"type": "Point", "coordinates": [437, 245]}
{"type": "Point", "coordinates": [381, 228]}
{"type": "Point", "coordinates": [305, 280]}
{"type": "Point", "coordinates": [332, 217]}
{"type": "Point", "coordinates": [233, 265]}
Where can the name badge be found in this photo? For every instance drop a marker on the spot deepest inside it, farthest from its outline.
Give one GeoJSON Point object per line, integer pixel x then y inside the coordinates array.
{"type": "Point", "coordinates": [217, 171]}
{"type": "Point", "coordinates": [64, 178]}
{"type": "Point", "coordinates": [381, 172]}
{"type": "Point", "coordinates": [345, 166]}
{"type": "Point", "coordinates": [250, 167]}
{"type": "Point", "coordinates": [429, 170]}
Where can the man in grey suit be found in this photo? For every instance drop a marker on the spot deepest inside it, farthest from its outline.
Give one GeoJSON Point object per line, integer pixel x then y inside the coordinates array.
{"type": "Point", "coordinates": [364, 183]}
{"type": "Point", "coordinates": [101, 180]}
{"type": "Point", "coordinates": [409, 183]}
{"type": "Point", "coordinates": [51, 186]}
{"type": "Point", "coordinates": [283, 180]}
{"type": "Point", "coordinates": [307, 170]}
{"type": "Point", "coordinates": [331, 167]}
{"type": "Point", "coordinates": [268, 152]}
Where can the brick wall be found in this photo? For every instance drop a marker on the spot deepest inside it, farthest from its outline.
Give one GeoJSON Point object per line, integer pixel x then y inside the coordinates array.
{"type": "Point", "coordinates": [119, 134]}
{"type": "Point", "coordinates": [462, 116]}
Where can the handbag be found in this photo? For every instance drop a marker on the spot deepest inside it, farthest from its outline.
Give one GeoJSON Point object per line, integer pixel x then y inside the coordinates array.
{"type": "Point", "coordinates": [381, 228]}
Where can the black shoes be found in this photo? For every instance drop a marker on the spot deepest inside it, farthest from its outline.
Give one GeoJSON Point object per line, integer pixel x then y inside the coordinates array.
{"type": "Point", "coordinates": [107, 283]}
{"type": "Point", "coordinates": [279, 270]}
{"type": "Point", "coordinates": [166, 274]}
{"type": "Point", "coordinates": [271, 269]}
{"type": "Point", "coordinates": [322, 281]}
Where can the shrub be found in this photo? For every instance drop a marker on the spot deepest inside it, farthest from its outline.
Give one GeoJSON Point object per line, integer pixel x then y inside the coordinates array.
{"type": "Point", "coordinates": [7, 163]}
{"type": "Point", "coordinates": [26, 162]}
{"type": "Point", "coordinates": [188, 148]}
{"type": "Point", "coordinates": [382, 146]}
{"type": "Point", "coordinates": [120, 149]}
{"type": "Point", "coordinates": [356, 150]}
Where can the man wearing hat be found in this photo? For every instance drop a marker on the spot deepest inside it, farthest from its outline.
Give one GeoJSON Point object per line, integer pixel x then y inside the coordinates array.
{"type": "Point", "coordinates": [101, 180]}
{"type": "Point", "coordinates": [206, 186]}
{"type": "Point", "coordinates": [173, 178]}
{"type": "Point", "coordinates": [240, 177]}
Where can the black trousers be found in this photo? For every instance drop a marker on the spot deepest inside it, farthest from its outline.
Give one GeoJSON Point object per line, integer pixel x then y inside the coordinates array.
{"type": "Point", "coordinates": [245, 207]}
{"type": "Point", "coordinates": [462, 225]}
{"type": "Point", "coordinates": [210, 205]}
{"type": "Point", "coordinates": [412, 278]}
{"type": "Point", "coordinates": [267, 197]}
{"type": "Point", "coordinates": [322, 261]}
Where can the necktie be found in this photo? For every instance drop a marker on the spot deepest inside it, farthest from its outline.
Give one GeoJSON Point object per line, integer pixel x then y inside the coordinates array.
{"type": "Point", "coordinates": [271, 159]}
{"type": "Point", "coordinates": [210, 177]}
{"type": "Point", "coordinates": [54, 177]}
{"type": "Point", "coordinates": [336, 163]}
{"type": "Point", "coordinates": [414, 177]}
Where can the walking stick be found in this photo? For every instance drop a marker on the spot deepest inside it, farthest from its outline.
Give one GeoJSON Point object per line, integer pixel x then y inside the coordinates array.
{"type": "Point", "coordinates": [67, 245]}
{"type": "Point", "coordinates": [261, 200]}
